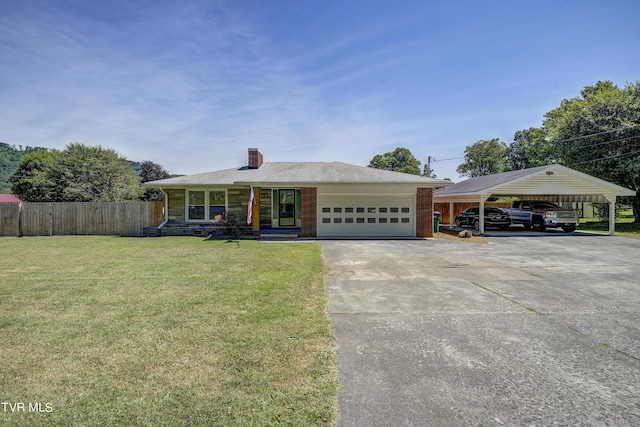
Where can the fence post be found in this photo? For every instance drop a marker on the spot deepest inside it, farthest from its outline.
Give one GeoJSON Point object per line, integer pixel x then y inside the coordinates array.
{"type": "Point", "coordinates": [50, 219]}
{"type": "Point", "coordinates": [20, 219]}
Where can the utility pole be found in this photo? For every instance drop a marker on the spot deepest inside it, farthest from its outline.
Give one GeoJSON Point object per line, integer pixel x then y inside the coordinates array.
{"type": "Point", "coordinates": [427, 168]}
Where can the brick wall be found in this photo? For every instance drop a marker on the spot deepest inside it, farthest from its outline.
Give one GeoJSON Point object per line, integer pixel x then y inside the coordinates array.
{"type": "Point", "coordinates": [255, 158]}
{"type": "Point", "coordinates": [309, 215]}
{"type": "Point", "coordinates": [424, 212]}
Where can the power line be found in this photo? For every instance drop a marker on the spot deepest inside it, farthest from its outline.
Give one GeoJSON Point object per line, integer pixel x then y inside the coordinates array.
{"type": "Point", "coordinates": [596, 134]}
{"type": "Point", "coordinates": [606, 142]}
{"type": "Point", "coordinates": [607, 158]}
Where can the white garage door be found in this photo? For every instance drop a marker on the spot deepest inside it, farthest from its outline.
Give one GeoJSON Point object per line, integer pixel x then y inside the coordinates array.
{"type": "Point", "coordinates": [357, 216]}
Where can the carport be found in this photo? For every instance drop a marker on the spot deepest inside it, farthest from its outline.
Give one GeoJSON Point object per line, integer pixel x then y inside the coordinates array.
{"type": "Point", "coordinates": [553, 183]}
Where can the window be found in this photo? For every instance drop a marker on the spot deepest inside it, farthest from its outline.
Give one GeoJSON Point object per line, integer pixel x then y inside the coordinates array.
{"type": "Point", "coordinates": [196, 205]}
{"type": "Point", "coordinates": [405, 210]}
{"type": "Point", "coordinates": [393, 220]}
{"type": "Point", "coordinates": [348, 210]}
{"type": "Point", "coordinates": [382, 220]}
{"type": "Point", "coordinates": [205, 205]}
{"type": "Point", "coordinates": [348, 220]}
{"type": "Point", "coordinates": [382, 210]}
{"type": "Point", "coordinates": [337, 210]}
{"type": "Point", "coordinates": [217, 203]}
{"type": "Point", "coordinates": [360, 210]}
{"type": "Point", "coordinates": [394, 210]}
{"type": "Point", "coordinates": [326, 220]}
{"type": "Point", "coordinates": [337, 220]}
{"type": "Point", "coordinates": [326, 210]}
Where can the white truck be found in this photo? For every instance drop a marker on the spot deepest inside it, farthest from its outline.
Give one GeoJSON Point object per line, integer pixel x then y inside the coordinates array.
{"type": "Point", "coordinates": [541, 215]}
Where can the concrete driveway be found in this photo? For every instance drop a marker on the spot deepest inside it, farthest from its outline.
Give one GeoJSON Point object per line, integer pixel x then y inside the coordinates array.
{"type": "Point", "coordinates": [517, 332]}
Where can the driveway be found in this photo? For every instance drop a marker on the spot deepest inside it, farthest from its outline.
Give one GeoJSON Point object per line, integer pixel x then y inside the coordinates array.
{"type": "Point", "coordinates": [517, 332]}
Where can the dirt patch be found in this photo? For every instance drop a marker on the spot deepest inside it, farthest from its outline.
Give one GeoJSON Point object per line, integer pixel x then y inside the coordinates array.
{"type": "Point", "coordinates": [453, 235]}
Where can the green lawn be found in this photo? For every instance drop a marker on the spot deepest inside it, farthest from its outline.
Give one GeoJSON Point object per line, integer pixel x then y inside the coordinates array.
{"type": "Point", "coordinates": [164, 332]}
{"type": "Point", "coordinates": [624, 224]}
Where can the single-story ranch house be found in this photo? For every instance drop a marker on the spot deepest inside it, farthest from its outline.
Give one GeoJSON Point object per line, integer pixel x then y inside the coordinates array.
{"type": "Point", "coordinates": [310, 199]}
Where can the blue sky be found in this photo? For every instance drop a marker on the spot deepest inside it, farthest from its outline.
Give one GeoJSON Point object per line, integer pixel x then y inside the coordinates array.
{"type": "Point", "coordinates": [192, 84]}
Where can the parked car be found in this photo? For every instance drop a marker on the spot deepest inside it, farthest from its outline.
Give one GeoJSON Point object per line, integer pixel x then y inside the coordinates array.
{"type": "Point", "coordinates": [540, 215]}
{"type": "Point", "coordinates": [493, 217]}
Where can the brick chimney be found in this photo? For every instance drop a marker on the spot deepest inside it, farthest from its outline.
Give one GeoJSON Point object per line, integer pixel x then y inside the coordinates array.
{"type": "Point", "coordinates": [255, 158]}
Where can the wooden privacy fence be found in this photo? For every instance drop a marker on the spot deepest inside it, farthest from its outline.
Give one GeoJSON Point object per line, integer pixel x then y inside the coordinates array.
{"type": "Point", "coordinates": [443, 208]}
{"type": "Point", "coordinates": [78, 218]}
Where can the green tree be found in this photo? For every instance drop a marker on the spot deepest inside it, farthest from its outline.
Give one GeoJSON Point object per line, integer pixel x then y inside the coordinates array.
{"type": "Point", "coordinates": [398, 160]}
{"type": "Point", "coordinates": [485, 157]}
{"type": "Point", "coordinates": [530, 148]}
{"type": "Point", "coordinates": [32, 180]}
{"type": "Point", "coordinates": [598, 133]}
{"type": "Point", "coordinates": [79, 173]}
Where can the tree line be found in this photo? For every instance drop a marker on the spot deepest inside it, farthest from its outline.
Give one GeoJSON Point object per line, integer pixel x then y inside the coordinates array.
{"type": "Point", "coordinates": [597, 132]}
{"type": "Point", "coordinates": [82, 173]}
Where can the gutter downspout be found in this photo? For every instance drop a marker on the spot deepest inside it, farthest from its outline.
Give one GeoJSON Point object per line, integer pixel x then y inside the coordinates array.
{"type": "Point", "coordinates": [166, 211]}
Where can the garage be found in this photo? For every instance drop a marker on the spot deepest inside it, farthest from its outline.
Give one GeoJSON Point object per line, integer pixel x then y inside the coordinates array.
{"type": "Point", "coordinates": [357, 215]}
{"type": "Point", "coordinates": [553, 183]}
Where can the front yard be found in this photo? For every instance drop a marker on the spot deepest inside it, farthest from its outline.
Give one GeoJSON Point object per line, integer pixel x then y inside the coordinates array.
{"type": "Point", "coordinates": [168, 331]}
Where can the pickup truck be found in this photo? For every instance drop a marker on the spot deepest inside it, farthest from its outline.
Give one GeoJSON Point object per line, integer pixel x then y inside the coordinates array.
{"type": "Point", "coordinates": [540, 215]}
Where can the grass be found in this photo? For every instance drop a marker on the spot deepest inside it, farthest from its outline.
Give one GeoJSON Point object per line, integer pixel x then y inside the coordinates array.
{"type": "Point", "coordinates": [168, 331]}
{"type": "Point", "coordinates": [624, 224]}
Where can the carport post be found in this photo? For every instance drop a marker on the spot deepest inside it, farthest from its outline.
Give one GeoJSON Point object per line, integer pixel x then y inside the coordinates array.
{"type": "Point", "coordinates": [481, 214]}
{"type": "Point", "coordinates": [450, 215]}
{"type": "Point", "coordinates": [612, 216]}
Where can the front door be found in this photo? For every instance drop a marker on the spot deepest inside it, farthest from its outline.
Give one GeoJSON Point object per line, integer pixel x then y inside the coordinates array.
{"type": "Point", "coordinates": [287, 208]}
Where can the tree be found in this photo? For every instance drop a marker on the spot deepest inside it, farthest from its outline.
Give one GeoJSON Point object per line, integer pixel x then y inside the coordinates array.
{"type": "Point", "coordinates": [79, 173]}
{"type": "Point", "coordinates": [32, 180]}
{"type": "Point", "coordinates": [485, 157]}
{"type": "Point", "coordinates": [398, 160]}
{"type": "Point", "coordinates": [150, 171]}
{"type": "Point", "coordinates": [598, 133]}
{"type": "Point", "coordinates": [530, 148]}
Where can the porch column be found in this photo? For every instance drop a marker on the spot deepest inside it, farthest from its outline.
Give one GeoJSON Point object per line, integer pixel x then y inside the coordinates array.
{"type": "Point", "coordinates": [255, 214]}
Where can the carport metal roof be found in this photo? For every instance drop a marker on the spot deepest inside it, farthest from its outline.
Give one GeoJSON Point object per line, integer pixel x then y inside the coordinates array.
{"type": "Point", "coordinates": [554, 183]}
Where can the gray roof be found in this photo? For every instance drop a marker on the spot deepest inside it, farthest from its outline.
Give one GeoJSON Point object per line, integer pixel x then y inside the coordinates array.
{"type": "Point", "coordinates": [549, 181]}
{"type": "Point", "coordinates": [480, 183]}
{"type": "Point", "coordinates": [297, 173]}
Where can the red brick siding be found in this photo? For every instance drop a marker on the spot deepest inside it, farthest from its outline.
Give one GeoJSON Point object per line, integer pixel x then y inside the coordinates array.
{"type": "Point", "coordinates": [255, 158]}
{"type": "Point", "coordinates": [309, 214]}
{"type": "Point", "coordinates": [424, 212]}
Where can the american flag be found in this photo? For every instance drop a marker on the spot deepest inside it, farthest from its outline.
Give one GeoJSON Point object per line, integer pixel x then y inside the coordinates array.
{"type": "Point", "coordinates": [252, 201]}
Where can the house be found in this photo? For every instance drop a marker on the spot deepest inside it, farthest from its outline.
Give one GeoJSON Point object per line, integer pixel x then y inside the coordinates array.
{"type": "Point", "coordinates": [310, 199]}
{"type": "Point", "coordinates": [9, 198]}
